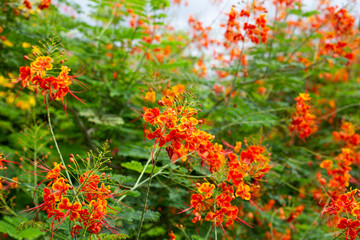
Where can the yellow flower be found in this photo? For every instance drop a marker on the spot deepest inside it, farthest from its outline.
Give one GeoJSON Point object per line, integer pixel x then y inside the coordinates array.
{"type": "Point", "coordinates": [237, 147]}
{"type": "Point", "coordinates": [23, 105]}
{"type": "Point", "coordinates": [26, 45]}
{"type": "Point", "coordinates": [32, 101]}
{"type": "Point", "coordinates": [8, 43]}
{"type": "Point", "coordinates": [10, 99]}
{"type": "Point", "coordinates": [3, 81]}
{"type": "Point", "coordinates": [150, 96]}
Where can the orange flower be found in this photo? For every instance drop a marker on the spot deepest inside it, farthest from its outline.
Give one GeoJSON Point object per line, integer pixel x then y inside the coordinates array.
{"type": "Point", "coordinates": [73, 208]}
{"type": "Point", "coordinates": [60, 188]}
{"type": "Point", "coordinates": [243, 191]}
{"type": "Point", "coordinates": [327, 164]}
{"type": "Point", "coordinates": [41, 65]}
{"type": "Point", "coordinates": [55, 172]}
{"type": "Point", "coordinates": [237, 147]}
{"type": "Point", "coordinates": [303, 121]}
{"type": "Point", "coordinates": [172, 235]}
{"type": "Point", "coordinates": [150, 96]}
{"type": "Point", "coordinates": [44, 4]}
{"type": "Point", "coordinates": [151, 115]}
{"type": "Point", "coordinates": [207, 188]}
{"type": "Point", "coordinates": [25, 76]}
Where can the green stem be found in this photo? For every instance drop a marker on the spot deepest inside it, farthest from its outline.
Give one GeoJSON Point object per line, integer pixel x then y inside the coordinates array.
{"type": "Point", "coordinates": [35, 168]}
{"type": "Point", "coordinates": [163, 168]}
{"type": "Point", "coordinates": [56, 145]}
{"type": "Point", "coordinates": [138, 183]}
{"type": "Point", "coordinates": [147, 196]}
{"type": "Point", "coordinates": [141, 174]}
{"type": "Point", "coordinates": [7, 207]}
{"type": "Point", "coordinates": [215, 229]}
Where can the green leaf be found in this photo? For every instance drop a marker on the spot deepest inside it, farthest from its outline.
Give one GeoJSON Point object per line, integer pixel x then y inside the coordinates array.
{"type": "Point", "coordinates": [310, 13]}
{"type": "Point", "coordinates": [30, 233]}
{"type": "Point", "coordinates": [138, 167]}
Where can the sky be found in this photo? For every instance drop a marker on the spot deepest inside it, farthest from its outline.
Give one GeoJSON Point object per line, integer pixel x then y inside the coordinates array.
{"type": "Point", "coordinates": [208, 12]}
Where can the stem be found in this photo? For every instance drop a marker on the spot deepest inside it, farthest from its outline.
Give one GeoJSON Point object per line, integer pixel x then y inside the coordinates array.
{"type": "Point", "coordinates": [137, 184]}
{"type": "Point", "coordinates": [163, 168]}
{"type": "Point", "coordinates": [146, 197]}
{"type": "Point", "coordinates": [56, 145]}
{"type": "Point", "coordinates": [141, 174]}
{"type": "Point", "coordinates": [35, 167]}
{"type": "Point", "coordinates": [7, 207]}
{"type": "Point", "coordinates": [215, 229]}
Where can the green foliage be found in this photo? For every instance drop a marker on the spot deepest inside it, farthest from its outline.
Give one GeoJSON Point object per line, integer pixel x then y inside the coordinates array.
{"type": "Point", "coordinates": [21, 230]}
{"type": "Point", "coordinates": [113, 49]}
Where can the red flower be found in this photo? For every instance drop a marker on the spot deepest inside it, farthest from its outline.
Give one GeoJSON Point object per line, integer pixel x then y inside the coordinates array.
{"type": "Point", "coordinates": [151, 115]}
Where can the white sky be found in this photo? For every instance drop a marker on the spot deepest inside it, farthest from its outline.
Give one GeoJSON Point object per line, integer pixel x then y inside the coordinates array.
{"type": "Point", "coordinates": [206, 11]}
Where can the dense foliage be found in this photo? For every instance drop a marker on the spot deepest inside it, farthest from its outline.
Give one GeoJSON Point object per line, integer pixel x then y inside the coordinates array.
{"type": "Point", "coordinates": [115, 124]}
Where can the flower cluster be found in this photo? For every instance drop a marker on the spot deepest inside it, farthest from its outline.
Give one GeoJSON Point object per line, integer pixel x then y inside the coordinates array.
{"type": "Point", "coordinates": [215, 201]}
{"type": "Point", "coordinates": [176, 128]}
{"type": "Point", "coordinates": [303, 121]}
{"type": "Point", "coordinates": [26, 8]}
{"type": "Point", "coordinates": [339, 167]}
{"type": "Point", "coordinates": [85, 205]}
{"type": "Point", "coordinates": [168, 94]}
{"type": "Point", "coordinates": [339, 170]}
{"type": "Point", "coordinates": [45, 75]}
{"type": "Point", "coordinates": [346, 208]}
{"type": "Point", "coordinates": [200, 33]}
{"type": "Point", "coordinates": [347, 135]}
{"type": "Point", "coordinates": [339, 35]}
{"type": "Point", "coordinates": [341, 21]}
{"type": "Point", "coordinates": [255, 32]}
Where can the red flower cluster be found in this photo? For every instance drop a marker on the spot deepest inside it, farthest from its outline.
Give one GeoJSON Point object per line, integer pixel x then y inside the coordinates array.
{"type": "Point", "coordinates": [44, 4]}
{"type": "Point", "coordinates": [36, 77]}
{"type": "Point", "coordinates": [62, 201]}
{"type": "Point", "coordinates": [347, 135]}
{"type": "Point", "coordinates": [339, 168]}
{"type": "Point", "coordinates": [255, 32]}
{"type": "Point", "coordinates": [339, 172]}
{"type": "Point", "coordinates": [215, 201]}
{"type": "Point", "coordinates": [200, 33]}
{"type": "Point", "coordinates": [347, 208]}
{"type": "Point", "coordinates": [176, 127]}
{"type": "Point", "coordinates": [45, 78]}
{"type": "Point", "coordinates": [303, 121]}
{"type": "Point", "coordinates": [341, 21]}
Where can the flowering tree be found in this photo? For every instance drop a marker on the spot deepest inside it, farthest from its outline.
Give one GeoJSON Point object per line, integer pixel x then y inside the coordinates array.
{"type": "Point", "coordinates": [121, 125]}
